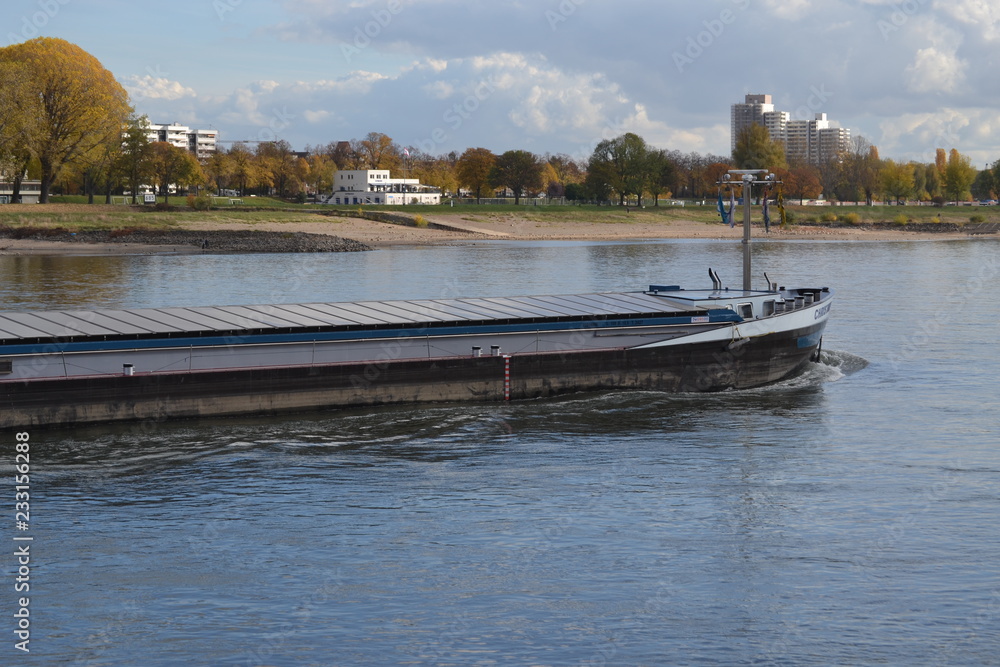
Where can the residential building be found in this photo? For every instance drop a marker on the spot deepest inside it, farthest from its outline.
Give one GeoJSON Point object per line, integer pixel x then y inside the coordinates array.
{"type": "Point", "coordinates": [203, 143]}
{"type": "Point", "coordinates": [751, 112]}
{"type": "Point", "coordinates": [815, 141]}
{"type": "Point", "coordinates": [374, 186]}
{"type": "Point", "coordinates": [811, 141]}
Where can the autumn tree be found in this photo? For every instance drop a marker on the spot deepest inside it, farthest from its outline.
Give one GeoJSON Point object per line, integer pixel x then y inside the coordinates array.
{"type": "Point", "coordinates": [861, 169]}
{"type": "Point", "coordinates": [16, 121]}
{"type": "Point", "coordinates": [566, 169]}
{"type": "Point", "coordinates": [518, 170]}
{"type": "Point", "coordinates": [243, 167]}
{"type": "Point", "coordinates": [377, 151]}
{"type": "Point", "coordinates": [624, 163]}
{"type": "Point", "coordinates": [278, 166]}
{"type": "Point", "coordinates": [173, 166]}
{"type": "Point", "coordinates": [438, 172]}
{"type": "Point", "coordinates": [985, 185]}
{"type": "Point", "coordinates": [321, 171]}
{"type": "Point", "coordinates": [801, 182]}
{"type": "Point", "coordinates": [134, 163]}
{"type": "Point", "coordinates": [958, 176]}
{"type": "Point", "coordinates": [76, 101]}
{"type": "Point", "coordinates": [940, 161]}
{"type": "Point", "coordinates": [218, 169]}
{"type": "Point", "coordinates": [661, 173]}
{"type": "Point", "coordinates": [756, 150]}
{"type": "Point", "coordinates": [473, 170]}
{"type": "Point", "coordinates": [897, 180]}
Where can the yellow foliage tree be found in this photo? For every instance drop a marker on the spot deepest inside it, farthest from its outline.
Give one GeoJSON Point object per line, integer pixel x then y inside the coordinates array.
{"type": "Point", "coordinates": [76, 102]}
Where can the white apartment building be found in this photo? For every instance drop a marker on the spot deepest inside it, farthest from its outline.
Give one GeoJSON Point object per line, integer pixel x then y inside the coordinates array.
{"type": "Point", "coordinates": [815, 141]}
{"type": "Point", "coordinates": [374, 186]}
{"type": "Point", "coordinates": [202, 143]}
{"type": "Point", "coordinates": [810, 141]}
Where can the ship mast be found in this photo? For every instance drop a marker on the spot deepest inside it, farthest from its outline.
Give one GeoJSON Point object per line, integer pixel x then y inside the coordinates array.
{"type": "Point", "coordinates": [749, 178]}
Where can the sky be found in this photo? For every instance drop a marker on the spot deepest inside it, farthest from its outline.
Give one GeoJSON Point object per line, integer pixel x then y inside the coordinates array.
{"type": "Point", "coordinates": [549, 76]}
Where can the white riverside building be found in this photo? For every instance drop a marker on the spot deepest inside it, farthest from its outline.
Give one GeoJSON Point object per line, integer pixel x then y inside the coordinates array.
{"type": "Point", "coordinates": [374, 186]}
{"type": "Point", "coordinates": [811, 141]}
{"type": "Point", "coordinates": [203, 143]}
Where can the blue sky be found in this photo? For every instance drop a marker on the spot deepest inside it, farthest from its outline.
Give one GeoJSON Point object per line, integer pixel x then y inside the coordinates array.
{"type": "Point", "coordinates": [545, 75]}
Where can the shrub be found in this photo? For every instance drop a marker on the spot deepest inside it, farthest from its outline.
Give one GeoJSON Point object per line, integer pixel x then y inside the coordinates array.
{"type": "Point", "coordinates": [199, 203]}
{"type": "Point", "coordinates": [936, 218]}
{"type": "Point", "coordinates": [163, 206]}
{"type": "Point", "coordinates": [977, 218]}
{"type": "Point", "coordinates": [901, 219]}
{"type": "Point", "coordinates": [852, 218]}
{"type": "Point", "coordinates": [938, 201]}
{"type": "Point", "coordinates": [420, 221]}
{"type": "Point", "coordinates": [829, 216]}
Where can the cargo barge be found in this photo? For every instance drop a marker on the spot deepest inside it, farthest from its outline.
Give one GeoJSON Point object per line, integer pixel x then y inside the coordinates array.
{"type": "Point", "coordinates": [74, 367]}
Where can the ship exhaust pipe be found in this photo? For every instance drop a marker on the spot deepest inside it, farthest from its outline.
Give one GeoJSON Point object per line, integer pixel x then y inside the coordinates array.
{"type": "Point", "coordinates": [716, 281]}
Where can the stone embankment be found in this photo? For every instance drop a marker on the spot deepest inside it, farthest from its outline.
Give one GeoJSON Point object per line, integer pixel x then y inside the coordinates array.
{"type": "Point", "coordinates": [248, 241]}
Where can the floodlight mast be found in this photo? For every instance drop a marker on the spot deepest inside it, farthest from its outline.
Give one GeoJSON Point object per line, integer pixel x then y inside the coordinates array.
{"type": "Point", "coordinates": [749, 178]}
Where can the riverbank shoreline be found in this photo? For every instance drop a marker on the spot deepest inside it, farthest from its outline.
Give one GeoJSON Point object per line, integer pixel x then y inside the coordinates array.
{"type": "Point", "coordinates": [340, 234]}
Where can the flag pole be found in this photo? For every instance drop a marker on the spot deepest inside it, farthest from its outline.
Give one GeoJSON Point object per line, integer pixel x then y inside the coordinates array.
{"type": "Point", "coordinates": [749, 178]}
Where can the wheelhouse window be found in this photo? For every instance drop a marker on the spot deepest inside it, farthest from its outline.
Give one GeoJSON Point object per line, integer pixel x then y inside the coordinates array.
{"type": "Point", "coordinates": [745, 310]}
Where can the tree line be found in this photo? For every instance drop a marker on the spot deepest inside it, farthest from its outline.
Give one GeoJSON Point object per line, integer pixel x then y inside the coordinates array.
{"type": "Point", "coordinates": [66, 121]}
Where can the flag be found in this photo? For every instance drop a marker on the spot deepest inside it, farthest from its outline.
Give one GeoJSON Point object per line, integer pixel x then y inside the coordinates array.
{"type": "Point", "coordinates": [406, 152]}
{"type": "Point", "coordinates": [722, 209]}
{"type": "Point", "coordinates": [732, 206]}
{"type": "Point", "coordinates": [767, 213]}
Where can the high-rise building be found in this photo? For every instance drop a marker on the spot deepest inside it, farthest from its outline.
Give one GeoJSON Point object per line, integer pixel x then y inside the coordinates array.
{"type": "Point", "coordinates": [811, 141]}
{"type": "Point", "coordinates": [751, 112]}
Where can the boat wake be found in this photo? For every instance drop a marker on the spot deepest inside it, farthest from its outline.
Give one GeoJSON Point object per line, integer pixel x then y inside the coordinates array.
{"type": "Point", "coordinates": [832, 366]}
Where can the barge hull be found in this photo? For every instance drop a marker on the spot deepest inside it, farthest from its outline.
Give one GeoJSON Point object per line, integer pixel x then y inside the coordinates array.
{"type": "Point", "coordinates": [692, 367]}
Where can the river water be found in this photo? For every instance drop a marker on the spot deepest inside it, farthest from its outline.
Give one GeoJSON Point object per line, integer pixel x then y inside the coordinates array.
{"type": "Point", "coordinates": [848, 516]}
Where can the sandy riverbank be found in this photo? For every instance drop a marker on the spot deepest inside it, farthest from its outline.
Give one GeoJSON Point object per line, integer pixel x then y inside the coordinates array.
{"type": "Point", "coordinates": [461, 228]}
{"type": "Point", "coordinates": [457, 228]}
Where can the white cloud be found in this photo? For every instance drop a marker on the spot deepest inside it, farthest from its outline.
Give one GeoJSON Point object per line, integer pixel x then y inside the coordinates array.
{"type": "Point", "coordinates": [315, 116]}
{"type": "Point", "coordinates": [935, 68]}
{"type": "Point", "coordinates": [981, 14]}
{"type": "Point", "coordinates": [789, 9]}
{"type": "Point", "coordinates": [156, 88]}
